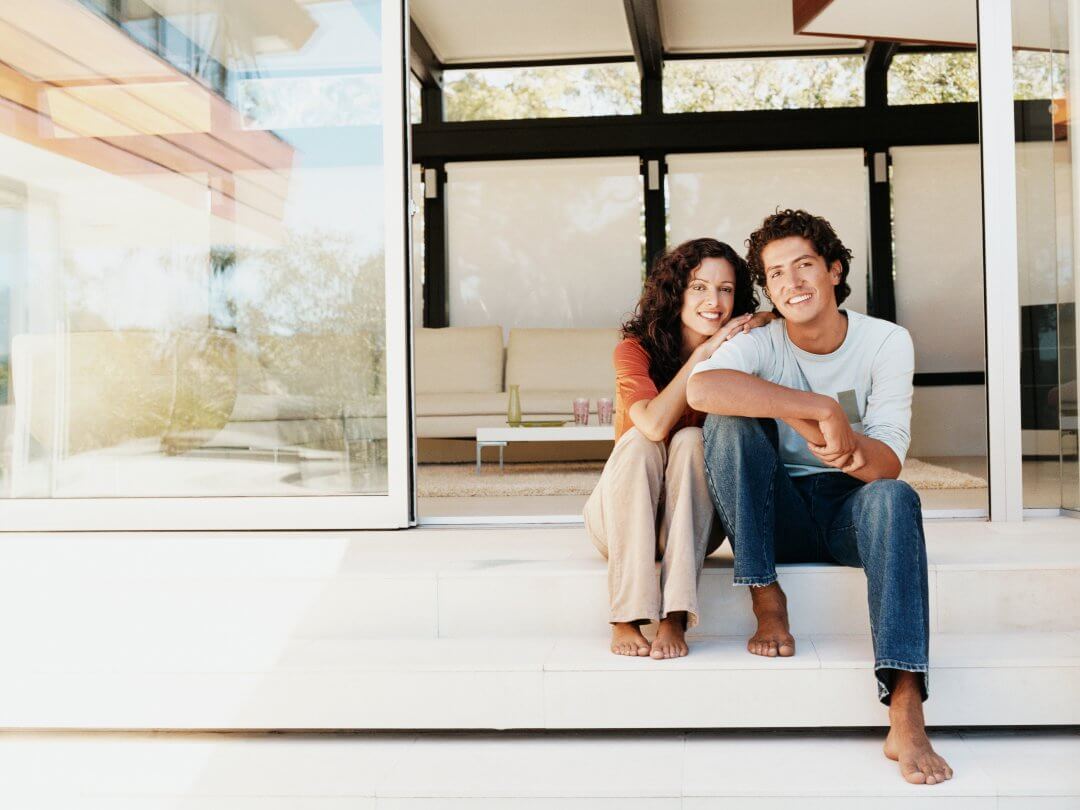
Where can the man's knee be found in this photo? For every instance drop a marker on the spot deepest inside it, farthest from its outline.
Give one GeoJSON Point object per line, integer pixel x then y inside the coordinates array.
{"type": "Point", "coordinates": [892, 495]}
{"type": "Point", "coordinates": [728, 434]}
{"type": "Point", "coordinates": [727, 429]}
{"type": "Point", "coordinates": [891, 505]}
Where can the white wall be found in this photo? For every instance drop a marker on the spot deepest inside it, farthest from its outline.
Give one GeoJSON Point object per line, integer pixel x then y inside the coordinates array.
{"type": "Point", "coordinates": [937, 221]}
{"type": "Point", "coordinates": [544, 243]}
{"type": "Point", "coordinates": [726, 196]}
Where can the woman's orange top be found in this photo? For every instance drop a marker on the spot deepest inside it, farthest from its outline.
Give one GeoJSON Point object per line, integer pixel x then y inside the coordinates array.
{"type": "Point", "coordinates": [633, 383]}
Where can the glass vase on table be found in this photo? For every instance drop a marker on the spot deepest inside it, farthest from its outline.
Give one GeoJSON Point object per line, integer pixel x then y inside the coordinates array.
{"type": "Point", "coordinates": [513, 408]}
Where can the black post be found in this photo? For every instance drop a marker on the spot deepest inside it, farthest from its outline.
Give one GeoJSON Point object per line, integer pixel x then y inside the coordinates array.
{"type": "Point", "coordinates": [653, 172]}
{"type": "Point", "coordinates": [436, 287]}
{"type": "Point", "coordinates": [881, 291]}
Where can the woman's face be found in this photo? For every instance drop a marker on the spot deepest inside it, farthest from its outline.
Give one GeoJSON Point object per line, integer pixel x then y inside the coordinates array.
{"type": "Point", "coordinates": [708, 299]}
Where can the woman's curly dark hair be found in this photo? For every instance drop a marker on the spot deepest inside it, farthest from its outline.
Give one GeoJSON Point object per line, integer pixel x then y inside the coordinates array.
{"type": "Point", "coordinates": [817, 230]}
{"type": "Point", "coordinates": [657, 324]}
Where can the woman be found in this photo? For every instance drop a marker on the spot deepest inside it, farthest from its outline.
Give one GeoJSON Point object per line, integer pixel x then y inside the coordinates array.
{"type": "Point", "coordinates": [652, 501]}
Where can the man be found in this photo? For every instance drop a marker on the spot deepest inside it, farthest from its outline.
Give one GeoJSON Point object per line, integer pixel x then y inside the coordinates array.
{"type": "Point", "coordinates": [808, 428]}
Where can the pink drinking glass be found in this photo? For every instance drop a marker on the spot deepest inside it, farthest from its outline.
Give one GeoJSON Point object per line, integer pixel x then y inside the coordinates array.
{"type": "Point", "coordinates": [581, 411]}
{"type": "Point", "coordinates": [603, 410]}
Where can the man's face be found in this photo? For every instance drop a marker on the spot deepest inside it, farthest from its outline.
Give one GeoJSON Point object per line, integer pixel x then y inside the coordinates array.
{"type": "Point", "coordinates": [798, 281]}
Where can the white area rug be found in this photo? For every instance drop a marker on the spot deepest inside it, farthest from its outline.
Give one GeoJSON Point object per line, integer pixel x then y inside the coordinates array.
{"type": "Point", "coordinates": [579, 478]}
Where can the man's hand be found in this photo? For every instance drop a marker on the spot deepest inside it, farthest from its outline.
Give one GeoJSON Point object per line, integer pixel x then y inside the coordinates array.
{"type": "Point", "coordinates": [840, 442]}
{"type": "Point", "coordinates": [849, 463]}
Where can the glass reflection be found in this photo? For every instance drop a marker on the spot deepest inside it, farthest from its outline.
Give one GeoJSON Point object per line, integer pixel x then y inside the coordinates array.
{"type": "Point", "coordinates": [191, 248]}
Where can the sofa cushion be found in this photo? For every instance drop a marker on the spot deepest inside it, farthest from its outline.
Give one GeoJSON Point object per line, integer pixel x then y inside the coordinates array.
{"type": "Point", "coordinates": [459, 359]}
{"type": "Point", "coordinates": [561, 359]}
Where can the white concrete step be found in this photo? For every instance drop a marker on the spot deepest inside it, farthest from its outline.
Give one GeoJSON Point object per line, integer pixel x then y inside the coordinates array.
{"type": "Point", "coordinates": [481, 583]}
{"type": "Point", "coordinates": [668, 771]}
{"type": "Point", "coordinates": [1024, 679]}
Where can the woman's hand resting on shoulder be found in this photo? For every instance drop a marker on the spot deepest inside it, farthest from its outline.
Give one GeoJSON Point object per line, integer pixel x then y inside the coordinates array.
{"type": "Point", "coordinates": [736, 326]}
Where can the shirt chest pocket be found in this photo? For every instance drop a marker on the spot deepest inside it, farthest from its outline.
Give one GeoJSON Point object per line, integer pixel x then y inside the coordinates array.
{"type": "Point", "coordinates": [853, 404]}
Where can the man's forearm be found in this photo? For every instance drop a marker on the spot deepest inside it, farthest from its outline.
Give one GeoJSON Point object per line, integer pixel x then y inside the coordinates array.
{"type": "Point", "coordinates": [735, 393]}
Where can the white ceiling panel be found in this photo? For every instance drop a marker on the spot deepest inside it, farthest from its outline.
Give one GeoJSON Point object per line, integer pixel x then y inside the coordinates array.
{"type": "Point", "coordinates": [505, 30]}
{"type": "Point", "coordinates": [704, 26]}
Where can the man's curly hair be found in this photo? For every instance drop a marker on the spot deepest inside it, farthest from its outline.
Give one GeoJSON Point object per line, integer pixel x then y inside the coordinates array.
{"type": "Point", "coordinates": [817, 230]}
{"type": "Point", "coordinates": [657, 323]}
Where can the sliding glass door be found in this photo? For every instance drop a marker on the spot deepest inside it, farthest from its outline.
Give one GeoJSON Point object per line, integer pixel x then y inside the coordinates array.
{"type": "Point", "coordinates": [203, 265]}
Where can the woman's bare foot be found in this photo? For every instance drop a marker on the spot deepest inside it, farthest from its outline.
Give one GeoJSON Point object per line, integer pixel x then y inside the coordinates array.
{"type": "Point", "coordinates": [773, 636]}
{"type": "Point", "coordinates": [907, 742]}
{"type": "Point", "coordinates": [626, 639]}
{"type": "Point", "coordinates": [670, 641]}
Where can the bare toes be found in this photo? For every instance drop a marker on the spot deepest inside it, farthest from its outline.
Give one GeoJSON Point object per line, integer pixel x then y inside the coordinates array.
{"type": "Point", "coordinates": [912, 774]}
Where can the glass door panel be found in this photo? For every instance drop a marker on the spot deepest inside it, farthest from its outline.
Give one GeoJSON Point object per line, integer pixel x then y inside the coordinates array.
{"type": "Point", "coordinates": [202, 310]}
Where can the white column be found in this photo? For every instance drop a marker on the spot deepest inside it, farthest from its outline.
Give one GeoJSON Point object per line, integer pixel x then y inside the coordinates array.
{"type": "Point", "coordinates": [1072, 13]}
{"type": "Point", "coordinates": [998, 139]}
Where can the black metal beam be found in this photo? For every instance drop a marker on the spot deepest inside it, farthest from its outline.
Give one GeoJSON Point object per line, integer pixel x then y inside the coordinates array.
{"type": "Point", "coordinates": [847, 127]}
{"type": "Point", "coordinates": [788, 53]}
{"type": "Point", "coordinates": [653, 171]}
{"type": "Point", "coordinates": [422, 59]}
{"type": "Point", "coordinates": [431, 107]}
{"type": "Point", "coordinates": [436, 284]}
{"type": "Point", "coordinates": [879, 56]}
{"type": "Point", "coordinates": [881, 292]}
{"type": "Point", "coordinates": [643, 20]}
{"type": "Point", "coordinates": [510, 64]}
{"type": "Point", "coordinates": [943, 378]}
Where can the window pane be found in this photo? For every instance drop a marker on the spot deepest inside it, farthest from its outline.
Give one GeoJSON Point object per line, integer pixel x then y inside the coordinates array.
{"type": "Point", "coordinates": [541, 92]}
{"type": "Point", "coordinates": [191, 278]}
{"type": "Point", "coordinates": [763, 84]}
{"type": "Point", "coordinates": [953, 76]}
{"type": "Point", "coordinates": [933, 78]}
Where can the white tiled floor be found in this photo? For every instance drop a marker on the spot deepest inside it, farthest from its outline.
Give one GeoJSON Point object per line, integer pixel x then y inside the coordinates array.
{"type": "Point", "coordinates": [559, 770]}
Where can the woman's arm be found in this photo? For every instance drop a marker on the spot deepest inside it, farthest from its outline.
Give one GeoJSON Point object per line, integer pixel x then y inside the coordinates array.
{"type": "Point", "coordinates": [657, 416]}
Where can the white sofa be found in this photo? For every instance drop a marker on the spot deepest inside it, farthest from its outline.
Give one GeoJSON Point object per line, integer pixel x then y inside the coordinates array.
{"type": "Point", "coordinates": [463, 375]}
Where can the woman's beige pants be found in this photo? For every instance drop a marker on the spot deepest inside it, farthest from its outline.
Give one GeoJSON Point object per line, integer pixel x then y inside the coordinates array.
{"type": "Point", "coordinates": [652, 503]}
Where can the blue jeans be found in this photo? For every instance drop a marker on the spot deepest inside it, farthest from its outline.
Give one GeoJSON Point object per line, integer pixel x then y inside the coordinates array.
{"type": "Point", "coordinates": [770, 517]}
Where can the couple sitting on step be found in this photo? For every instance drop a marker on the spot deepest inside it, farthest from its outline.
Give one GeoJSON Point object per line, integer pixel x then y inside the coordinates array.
{"type": "Point", "coordinates": [785, 435]}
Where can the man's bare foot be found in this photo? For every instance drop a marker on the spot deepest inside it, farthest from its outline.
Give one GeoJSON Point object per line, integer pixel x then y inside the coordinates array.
{"type": "Point", "coordinates": [907, 742]}
{"type": "Point", "coordinates": [670, 641]}
{"type": "Point", "coordinates": [773, 636]}
{"type": "Point", "coordinates": [626, 639]}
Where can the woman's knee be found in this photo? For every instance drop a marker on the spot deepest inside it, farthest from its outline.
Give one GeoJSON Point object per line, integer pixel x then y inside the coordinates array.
{"type": "Point", "coordinates": [636, 446]}
{"type": "Point", "coordinates": [688, 440]}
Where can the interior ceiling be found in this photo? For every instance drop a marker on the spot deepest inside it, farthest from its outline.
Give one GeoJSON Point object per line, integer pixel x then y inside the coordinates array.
{"type": "Point", "coordinates": [511, 30]}
{"type": "Point", "coordinates": [928, 21]}
{"type": "Point", "coordinates": [470, 31]}
{"type": "Point", "coordinates": [706, 26]}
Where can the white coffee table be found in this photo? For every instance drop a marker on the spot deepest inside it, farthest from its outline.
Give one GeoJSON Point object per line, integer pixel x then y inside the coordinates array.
{"type": "Point", "coordinates": [501, 436]}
